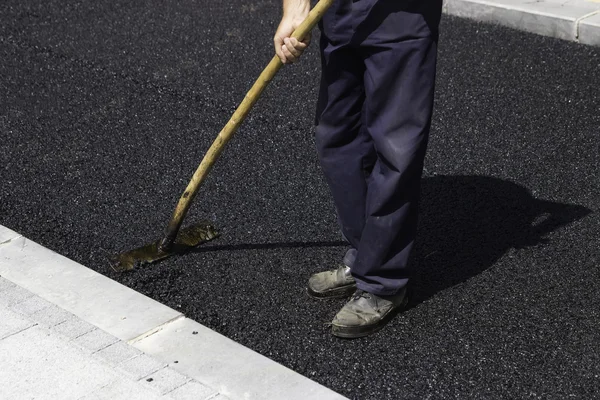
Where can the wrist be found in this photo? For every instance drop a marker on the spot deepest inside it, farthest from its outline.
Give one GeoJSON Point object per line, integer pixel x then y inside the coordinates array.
{"type": "Point", "coordinates": [296, 9]}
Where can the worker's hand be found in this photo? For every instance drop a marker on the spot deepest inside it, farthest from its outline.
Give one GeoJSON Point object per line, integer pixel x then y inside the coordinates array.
{"type": "Point", "coordinates": [290, 49]}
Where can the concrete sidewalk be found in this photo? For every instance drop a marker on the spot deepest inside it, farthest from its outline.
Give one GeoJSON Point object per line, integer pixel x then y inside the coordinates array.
{"type": "Point", "coordinates": [49, 353]}
{"type": "Point", "coordinates": [67, 332]}
{"type": "Point", "coordinates": [575, 20]}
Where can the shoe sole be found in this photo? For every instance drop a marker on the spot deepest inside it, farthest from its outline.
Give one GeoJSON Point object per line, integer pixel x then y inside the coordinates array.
{"type": "Point", "coordinates": [342, 291]}
{"type": "Point", "coordinates": [354, 332]}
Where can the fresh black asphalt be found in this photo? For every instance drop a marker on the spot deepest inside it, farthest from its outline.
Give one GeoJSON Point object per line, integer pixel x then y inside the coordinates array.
{"type": "Point", "coordinates": [106, 109]}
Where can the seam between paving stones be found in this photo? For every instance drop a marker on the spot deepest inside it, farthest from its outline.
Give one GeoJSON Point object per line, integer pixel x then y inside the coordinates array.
{"type": "Point", "coordinates": [155, 329]}
{"type": "Point", "coordinates": [580, 19]}
{"type": "Point", "coordinates": [16, 333]}
{"type": "Point", "coordinates": [10, 240]}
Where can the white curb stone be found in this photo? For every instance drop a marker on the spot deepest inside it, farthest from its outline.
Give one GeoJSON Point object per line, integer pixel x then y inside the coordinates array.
{"type": "Point", "coordinates": [220, 362]}
{"type": "Point", "coordinates": [589, 30]}
{"type": "Point", "coordinates": [6, 235]}
{"type": "Point", "coordinates": [556, 18]}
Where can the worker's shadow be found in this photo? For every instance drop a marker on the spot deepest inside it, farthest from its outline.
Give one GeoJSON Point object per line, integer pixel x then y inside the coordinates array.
{"type": "Point", "coordinates": [468, 222]}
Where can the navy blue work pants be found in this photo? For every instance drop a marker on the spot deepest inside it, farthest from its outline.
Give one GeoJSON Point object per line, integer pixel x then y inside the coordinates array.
{"type": "Point", "coordinates": [373, 118]}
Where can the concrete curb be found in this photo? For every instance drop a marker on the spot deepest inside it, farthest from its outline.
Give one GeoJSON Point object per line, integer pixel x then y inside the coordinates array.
{"type": "Point", "coordinates": [574, 20]}
{"type": "Point", "coordinates": [157, 330]}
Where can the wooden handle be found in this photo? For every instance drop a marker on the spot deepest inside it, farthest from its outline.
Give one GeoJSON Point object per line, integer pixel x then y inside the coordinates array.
{"type": "Point", "coordinates": [231, 127]}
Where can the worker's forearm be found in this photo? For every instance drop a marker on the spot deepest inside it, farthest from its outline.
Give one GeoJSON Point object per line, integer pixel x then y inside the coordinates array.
{"type": "Point", "coordinates": [292, 8]}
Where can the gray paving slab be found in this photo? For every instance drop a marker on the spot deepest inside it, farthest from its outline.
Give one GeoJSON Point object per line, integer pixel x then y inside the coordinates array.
{"type": "Point", "coordinates": [73, 328]}
{"type": "Point", "coordinates": [141, 366]}
{"type": "Point", "coordinates": [193, 391]}
{"type": "Point", "coordinates": [220, 362]}
{"type": "Point", "coordinates": [589, 30]}
{"type": "Point", "coordinates": [51, 316]}
{"type": "Point", "coordinates": [125, 314]}
{"type": "Point", "coordinates": [165, 380]}
{"type": "Point", "coordinates": [120, 389]}
{"type": "Point", "coordinates": [5, 284]}
{"type": "Point", "coordinates": [31, 305]}
{"type": "Point", "coordinates": [39, 365]}
{"type": "Point", "coordinates": [11, 323]}
{"type": "Point", "coordinates": [43, 362]}
{"type": "Point", "coordinates": [118, 352]}
{"type": "Point", "coordinates": [95, 340]}
{"type": "Point", "coordinates": [14, 295]}
{"type": "Point", "coordinates": [553, 18]}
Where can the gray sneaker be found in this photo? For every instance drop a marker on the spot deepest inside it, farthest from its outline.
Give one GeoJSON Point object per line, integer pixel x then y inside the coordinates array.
{"type": "Point", "coordinates": [366, 313]}
{"type": "Point", "coordinates": [336, 283]}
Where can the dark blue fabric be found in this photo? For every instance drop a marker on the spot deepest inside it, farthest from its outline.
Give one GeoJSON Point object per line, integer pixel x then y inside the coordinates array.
{"type": "Point", "coordinates": [373, 118]}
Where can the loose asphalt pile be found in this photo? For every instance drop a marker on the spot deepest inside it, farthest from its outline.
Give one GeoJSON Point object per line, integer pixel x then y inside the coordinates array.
{"type": "Point", "coordinates": [106, 109]}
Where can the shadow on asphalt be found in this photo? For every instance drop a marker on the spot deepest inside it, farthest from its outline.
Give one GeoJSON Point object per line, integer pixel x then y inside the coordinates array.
{"type": "Point", "coordinates": [267, 246]}
{"type": "Point", "coordinates": [468, 222]}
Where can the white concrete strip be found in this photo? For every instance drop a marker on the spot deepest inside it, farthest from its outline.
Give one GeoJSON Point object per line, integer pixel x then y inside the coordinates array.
{"type": "Point", "coordinates": [233, 369]}
{"type": "Point", "coordinates": [206, 357]}
{"type": "Point", "coordinates": [112, 307]}
{"type": "Point", "coordinates": [589, 30]}
{"type": "Point", "coordinates": [6, 235]}
{"type": "Point", "coordinates": [555, 18]}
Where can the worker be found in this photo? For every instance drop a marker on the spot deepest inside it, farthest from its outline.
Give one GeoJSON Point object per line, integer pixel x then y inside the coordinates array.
{"type": "Point", "coordinates": [373, 119]}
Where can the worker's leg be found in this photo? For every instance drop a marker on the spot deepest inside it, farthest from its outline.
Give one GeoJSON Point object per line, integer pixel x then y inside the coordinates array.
{"type": "Point", "coordinates": [399, 52]}
{"type": "Point", "coordinates": [345, 150]}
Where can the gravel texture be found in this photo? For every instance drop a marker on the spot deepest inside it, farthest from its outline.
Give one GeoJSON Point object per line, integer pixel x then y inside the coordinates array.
{"type": "Point", "coordinates": [107, 109]}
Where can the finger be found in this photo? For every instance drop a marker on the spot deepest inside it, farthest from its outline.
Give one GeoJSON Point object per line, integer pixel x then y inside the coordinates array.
{"type": "Point", "coordinates": [278, 42]}
{"type": "Point", "coordinates": [298, 45]}
{"type": "Point", "coordinates": [288, 54]}
{"type": "Point", "coordinates": [289, 45]}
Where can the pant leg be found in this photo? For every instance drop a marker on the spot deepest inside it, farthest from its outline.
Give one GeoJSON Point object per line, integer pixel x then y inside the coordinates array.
{"type": "Point", "coordinates": [345, 150]}
{"type": "Point", "coordinates": [399, 52]}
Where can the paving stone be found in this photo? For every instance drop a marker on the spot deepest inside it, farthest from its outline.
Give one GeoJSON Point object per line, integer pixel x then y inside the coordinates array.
{"type": "Point", "coordinates": [123, 389]}
{"type": "Point", "coordinates": [74, 327]}
{"type": "Point", "coordinates": [5, 284]}
{"type": "Point", "coordinates": [11, 323]}
{"type": "Point", "coordinates": [95, 340]}
{"type": "Point", "coordinates": [165, 380]}
{"type": "Point", "coordinates": [193, 391]}
{"type": "Point", "coordinates": [118, 353]}
{"type": "Point", "coordinates": [14, 295]}
{"type": "Point", "coordinates": [141, 366]}
{"type": "Point", "coordinates": [37, 364]}
{"type": "Point", "coordinates": [51, 316]}
{"type": "Point", "coordinates": [31, 305]}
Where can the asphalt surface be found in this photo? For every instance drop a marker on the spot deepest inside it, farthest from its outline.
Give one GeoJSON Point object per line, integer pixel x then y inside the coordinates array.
{"type": "Point", "coordinates": [106, 108]}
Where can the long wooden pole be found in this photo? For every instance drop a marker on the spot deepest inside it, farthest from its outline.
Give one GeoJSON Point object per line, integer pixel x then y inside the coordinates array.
{"type": "Point", "coordinates": [231, 127]}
